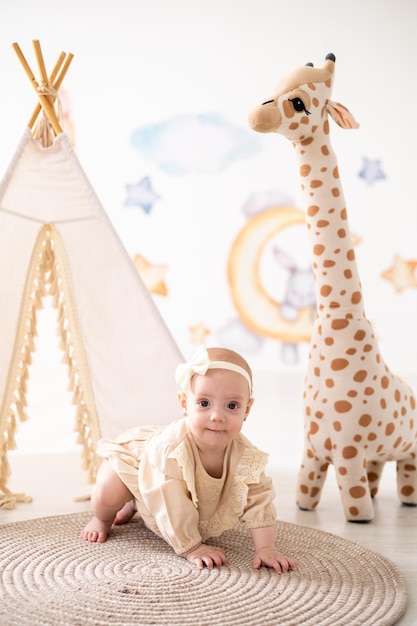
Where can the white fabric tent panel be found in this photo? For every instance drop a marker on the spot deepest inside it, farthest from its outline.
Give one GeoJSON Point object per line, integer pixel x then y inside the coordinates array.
{"type": "Point", "coordinates": [130, 353]}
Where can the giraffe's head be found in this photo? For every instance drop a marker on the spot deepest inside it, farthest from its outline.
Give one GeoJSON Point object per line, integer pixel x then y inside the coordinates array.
{"type": "Point", "coordinates": [299, 106]}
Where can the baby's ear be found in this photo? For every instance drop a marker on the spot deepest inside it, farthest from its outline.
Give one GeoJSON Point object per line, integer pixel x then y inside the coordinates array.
{"type": "Point", "coordinates": [249, 406]}
{"type": "Point", "coordinates": [182, 399]}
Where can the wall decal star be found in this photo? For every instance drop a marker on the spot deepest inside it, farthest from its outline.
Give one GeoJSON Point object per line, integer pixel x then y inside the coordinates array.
{"type": "Point", "coordinates": [401, 274]}
{"type": "Point", "coordinates": [152, 275]}
{"type": "Point", "coordinates": [141, 194]}
{"type": "Point", "coordinates": [371, 171]}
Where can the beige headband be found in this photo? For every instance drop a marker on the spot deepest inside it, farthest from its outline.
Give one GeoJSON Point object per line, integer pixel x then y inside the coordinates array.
{"type": "Point", "coordinates": [200, 363]}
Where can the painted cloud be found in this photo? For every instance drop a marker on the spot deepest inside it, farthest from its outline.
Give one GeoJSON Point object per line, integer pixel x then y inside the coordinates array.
{"type": "Point", "coordinates": [204, 143]}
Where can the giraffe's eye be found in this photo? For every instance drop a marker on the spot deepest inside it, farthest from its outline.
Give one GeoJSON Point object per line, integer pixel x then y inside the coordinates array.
{"type": "Point", "coordinates": [299, 105]}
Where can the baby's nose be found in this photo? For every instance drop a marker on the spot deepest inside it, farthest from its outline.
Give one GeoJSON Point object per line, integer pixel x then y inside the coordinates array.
{"type": "Point", "coordinates": [217, 415]}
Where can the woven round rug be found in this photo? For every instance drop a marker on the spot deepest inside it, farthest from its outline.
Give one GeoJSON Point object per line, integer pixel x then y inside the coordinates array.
{"type": "Point", "coordinates": [50, 577]}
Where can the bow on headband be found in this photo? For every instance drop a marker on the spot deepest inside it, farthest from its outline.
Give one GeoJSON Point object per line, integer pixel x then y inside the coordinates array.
{"type": "Point", "coordinates": [200, 363]}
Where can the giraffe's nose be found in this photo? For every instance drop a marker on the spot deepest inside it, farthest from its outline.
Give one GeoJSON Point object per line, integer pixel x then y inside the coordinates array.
{"type": "Point", "coordinates": [265, 118]}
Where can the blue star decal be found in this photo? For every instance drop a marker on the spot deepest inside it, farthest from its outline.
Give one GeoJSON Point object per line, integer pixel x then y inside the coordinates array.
{"type": "Point", "coordinates": [371, 171]}
{"type": "Point", "coordinates": [141, 194]}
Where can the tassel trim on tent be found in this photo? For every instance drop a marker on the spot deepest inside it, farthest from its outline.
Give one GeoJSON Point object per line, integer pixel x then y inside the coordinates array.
{"type": "Point", "coordinates": [48, 275]}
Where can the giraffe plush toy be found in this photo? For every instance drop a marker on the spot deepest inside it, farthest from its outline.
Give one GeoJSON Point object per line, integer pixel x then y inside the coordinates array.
{"type": "Point", "coordinates": [358, 415]}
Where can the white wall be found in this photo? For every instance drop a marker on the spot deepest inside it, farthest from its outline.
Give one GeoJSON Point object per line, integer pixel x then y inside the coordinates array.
{"type": "Point", "coordinates": [141, 63]}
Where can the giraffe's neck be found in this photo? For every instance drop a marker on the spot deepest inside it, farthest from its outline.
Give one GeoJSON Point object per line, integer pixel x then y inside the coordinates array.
{"type": "Point", "coordinates": [338, 288]}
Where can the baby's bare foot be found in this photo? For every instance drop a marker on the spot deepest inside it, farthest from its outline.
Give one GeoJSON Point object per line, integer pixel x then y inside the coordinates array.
{"type": "Point", "coordinates": [125, 514]}
{"type": "Point", "coordinates": [96, 530]}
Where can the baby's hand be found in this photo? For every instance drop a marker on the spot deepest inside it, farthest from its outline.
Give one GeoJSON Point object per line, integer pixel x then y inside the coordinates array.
{"type": "Point", "coordinates": [271, 558]}
{"type": "Point", "coordinates": [204, 555]}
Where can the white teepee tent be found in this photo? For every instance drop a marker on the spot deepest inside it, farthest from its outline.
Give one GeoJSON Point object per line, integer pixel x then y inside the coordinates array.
{"type": "Point", "coordinates": [56, 239]}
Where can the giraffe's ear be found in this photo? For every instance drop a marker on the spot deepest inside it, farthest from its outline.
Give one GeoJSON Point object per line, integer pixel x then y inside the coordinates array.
{"type": "Point", "coordinates": [341, 115]}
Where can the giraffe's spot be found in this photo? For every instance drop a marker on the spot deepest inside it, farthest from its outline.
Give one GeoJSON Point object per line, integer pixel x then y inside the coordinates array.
{"type": "Point", "coordinates": [319, 415]}
{"type": "Point", "coordinates": [357, 492]}
{"type": "Point", "coordinates": [316, 371]}
{"type": "Point", "coordinates": [314, 492]}
{"type": "Point", "coordinates": [305, 170]}
{"type": "Point", "coordinates": [349, 452]}
{"type": "Point", "coordinates": [339, 324]}
{"type": "Point", "coordinates": [347, 274]}
{"type": "Point", "coordinates": [353, 511]}
{"type": "Point", "coordinates": [325, 151]}
{"type": "Point", "coordinates": [367, 347]}
{"type": "Point", "coordinates": [329, 341]}
{"type": "Point", "coordinates": [336, 172]}
{"type": "Point", "coordinates": [334, 305]}
{"type": "Point", "coordinates": [315, 101]}
{"type": "Point", "coordinates": [351, 351]}
{"type": "Point", "coordinates": [343, 214]}
{"type": "Point", "coordinates": [356, 297]}
{"type": "Point", "coordinates": [341, 233]}
{"type": "Point", "coordinates": [350, 255]}
{"type": "Point", "coordinates": [293, 126]}
{"type": "Point", "coordinates": [352, 393]}
{"type": "Point", "coordinates": [359, 335]}
{"type": "Point", "coordinates": [310, 454]}
{"type": "Point", "coordinates": [316, 183]}
{"type": "Point", "coordinates": [329, 382]}
{"type": "Point", "coordinates": [342, 470]}
{"type": "Point", "coordinates": [372, 477]}
{"type": "Point", "coordinates": [304, 120]}
{"type": "Point", "coordinates": [397, 395]}
{"type": "Point", "coordinates": [312, 210]}
{"type": "Point", "coordinates": [335, 192]}
{"type": "Point", "coordinates": [389, 429]}
{"type": "Point", "coordinates": [357, 438]}
{"type": "Point", "coordinates": [407, 491]}
{"type": "Point", "coordinates": [409, 468]}
{"type": "Point", "coordinates": [289, 110]}
{"type": "Point", "coordinates": [397, 442]}
{"type": "Point", "coordinates": [326, 127]}
{"type": "Point", "coordinates": [342, 406]}
{"type": "Point", "coordinates": [365, 420]}
{"type": "Point", "coordinates": [304, 489]}
{"type": "Point", "coordinates": [318, 249]}
{"type": "Point", "coordinates": [307, 142]}
{"type": "Point", "coordinates": [360, 376]}
{"type": "Point", "coordinates": [337, 426]}
{"type": "Point", "coordinates": [339, 364]}
{"type": "Point", "coordinates": [369, 391]}
{"type": "Point", "coordinates": [322, 223]}
{"type": "Point", "coordinates": [328, 262]}
{"type": "Point", "coordinates": [384, 382]}
{"type": "Point", "coordinates": [328, 444]}
{"type": "Point", "coordinates": [314, 427]}
{"type": "Point", "coordinates": [383, 403]}
{"type": "Point", "coordinates": [325, 290]}
{"type": "Point", "coordinates": [413, 402]}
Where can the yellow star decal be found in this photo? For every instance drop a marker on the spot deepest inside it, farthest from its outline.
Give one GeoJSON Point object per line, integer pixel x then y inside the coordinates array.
{"type": "Point", "coordinates": [199, 334]}
{"type": "Point", "coordinates": [152, 275]}
{"type": "Point", "coordinates": [401, 274]}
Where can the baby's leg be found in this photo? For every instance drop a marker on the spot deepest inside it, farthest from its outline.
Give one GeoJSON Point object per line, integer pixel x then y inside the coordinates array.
{"type": "Point", "coordinates": [109, 495]}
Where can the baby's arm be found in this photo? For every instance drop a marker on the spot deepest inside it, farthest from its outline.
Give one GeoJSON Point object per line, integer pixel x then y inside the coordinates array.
{"type": "Point", "coordinates": [266, 552]}
{"type": "Point", "coordinates": [205, 555]}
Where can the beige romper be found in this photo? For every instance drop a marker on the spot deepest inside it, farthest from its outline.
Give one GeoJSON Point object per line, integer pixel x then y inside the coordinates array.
{"type": "Point", "coordinates": [176, 497]}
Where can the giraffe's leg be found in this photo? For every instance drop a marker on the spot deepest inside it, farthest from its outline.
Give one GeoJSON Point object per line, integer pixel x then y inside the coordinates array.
{"type": "Point", "coordinates": [407, 480]}
{"type": "Point", "coordinates": [311, 477]}
{"type": "Point", "coordinates": [374, 472]}
{"type": "Point", "coordinates": [354, 489]}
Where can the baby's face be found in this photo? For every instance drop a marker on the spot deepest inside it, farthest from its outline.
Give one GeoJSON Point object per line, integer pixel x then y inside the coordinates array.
{"type": "Point", "coordinates": [216, 405]}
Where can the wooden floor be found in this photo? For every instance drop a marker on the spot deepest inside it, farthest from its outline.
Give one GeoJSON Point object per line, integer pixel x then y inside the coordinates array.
{"type": "Point", "coordinates": [54, 481]}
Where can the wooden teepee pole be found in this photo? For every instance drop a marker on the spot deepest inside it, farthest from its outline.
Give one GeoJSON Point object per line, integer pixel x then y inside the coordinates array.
{"type": "Point", "coordinates": [44, 99]}
{"type": "Point", "coordinates": [55, 79]}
